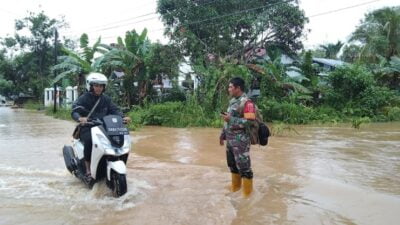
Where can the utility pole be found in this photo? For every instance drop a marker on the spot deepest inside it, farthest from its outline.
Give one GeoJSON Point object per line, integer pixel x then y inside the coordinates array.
{"type": "Point", "coordinates": [55, 63]}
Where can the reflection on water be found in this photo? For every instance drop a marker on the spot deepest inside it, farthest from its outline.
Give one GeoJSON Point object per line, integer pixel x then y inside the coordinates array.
{"type": "Point", "coordinates": [325, 175]}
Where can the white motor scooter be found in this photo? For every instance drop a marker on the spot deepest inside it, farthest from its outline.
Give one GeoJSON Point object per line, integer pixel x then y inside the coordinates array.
{"type": "Point", "coordinates": [110, 150]}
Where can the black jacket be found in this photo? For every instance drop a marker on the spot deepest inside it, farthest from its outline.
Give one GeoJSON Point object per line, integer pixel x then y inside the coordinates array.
{"type": "Point", "coordinates": [88, 100]}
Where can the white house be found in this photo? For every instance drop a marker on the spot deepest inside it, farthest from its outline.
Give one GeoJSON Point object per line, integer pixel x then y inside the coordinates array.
{"type": "Point", "coordinates": [71, 94]}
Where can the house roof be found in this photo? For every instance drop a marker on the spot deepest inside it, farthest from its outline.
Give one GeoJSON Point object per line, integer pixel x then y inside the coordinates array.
{"type": "Point", "coordinates": [329, 62]}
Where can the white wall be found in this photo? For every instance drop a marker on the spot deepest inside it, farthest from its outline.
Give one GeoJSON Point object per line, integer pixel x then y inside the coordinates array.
{"type": "Point", "coordinates": [71, 94]}
{"type": "Point", "coordinates": [49, 97]}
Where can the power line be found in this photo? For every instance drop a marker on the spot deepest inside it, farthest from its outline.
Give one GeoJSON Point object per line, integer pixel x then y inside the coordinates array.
{"type": "Point", "coordinates": [341, 9]}
{"type": "Point", "coordinates": [127, 24]}
{"type": "Point", "coordinates": [9, 12]}
{"type": "Point", "coordinates": [235, 13]}
{"type": "Point", "coordinates": [209, 19]}
{"type": "Point", "coordinates": [143, 15]}
{"type": "Point", "coordinates": [200, 21]}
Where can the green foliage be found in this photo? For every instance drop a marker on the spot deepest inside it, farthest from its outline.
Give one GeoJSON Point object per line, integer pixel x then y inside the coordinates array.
{"type": "Point", "coordinates": [74, 65]}
{"type": "Point", "coordinates": [32, 50]}
{"type": "Point", "coordinates": [223, 39]}
{"type": "Point", "coordinates": [327, 114]}
{"type": "Point", "coordinates": [143, 63]}
{"type": "Point", "coordinates": [379, 34]}
{"type": "Point", "coordinates": [33, 105]}
{"type": "Point", "coordinates": [351, 53]}
{"type": "Point", "coordinates": [310, 72]}
{"type": "Point", "coordinates": [163, 60]}
{"type": "Point", "coordinates": [357, 122]}
{"type": "Point", "coordinates": [232, 27]}
{"type": "Point", "coordinates": [393, 113]}
{"type": "Point", "coordinates": [172, 95]}
{"type": "Point", "coordinates": [374, 99]}
{"type": "Point", "coordinates": [347, 85]}
{"type": "Point", "coordinates": [285, 111]}
{"type": "Point", "coordinates": [6, 87]}
{"type": "Point", "coordinates": [331, 50]}
{"type": "Point", "coordinates": [354, 92]}
{"type": "Point", "coordinates": [174, 114]}
{"type": "Point", "coordinates": [387, 72]}
{"type": "Point", "coordinates": [214, 81]}
{"type": "Point", "coordinates": [282, 129]}
{"type": "Point", "coordinates": [62, 113]}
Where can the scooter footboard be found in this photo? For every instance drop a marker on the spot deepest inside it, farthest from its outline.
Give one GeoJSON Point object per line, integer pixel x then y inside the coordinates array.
{"type": "Point", "coordinates": [118, 166]}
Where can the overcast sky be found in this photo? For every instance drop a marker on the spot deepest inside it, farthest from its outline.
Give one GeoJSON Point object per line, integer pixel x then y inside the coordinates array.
{"type": "Point", "coordinates": [329, 20]}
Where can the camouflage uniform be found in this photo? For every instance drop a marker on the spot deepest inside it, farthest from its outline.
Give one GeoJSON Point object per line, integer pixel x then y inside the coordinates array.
{"type": "Point", "coordinates": [238, 139]}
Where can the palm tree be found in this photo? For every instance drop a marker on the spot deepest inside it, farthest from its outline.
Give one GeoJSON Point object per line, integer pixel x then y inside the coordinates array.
{"type": "Point", "coordinates": [331, 50]}
{"type": "Point", "coordinates": [379, 34]}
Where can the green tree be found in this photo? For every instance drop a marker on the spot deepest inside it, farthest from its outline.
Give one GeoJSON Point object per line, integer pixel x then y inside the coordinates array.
{"type": "Point", "coordinates": [33, 55]}
{"type": "Point", "coordinates": [74, 65]}
{"type": "Point", "coordinates": [6, 75]}
{"type": "Point", "coordinates": [6, 86]}
{"type": "Point", "coordinates": [379, 34]}
{"type": "Point", "coordinates": [163, 60]}
{"type": "Point", "coordinates": [331, 50]}
{"type": "Point", "coordinates": [387, 72]}
{"type": "Point", "coordinates": [351, 53]}
{"type": "Point", "coordinates": [232, 28]}
{"type": "Point", "coordinates": [128, 55]}
{"type": "Point", "coordinates": [40, 41]}
{"type": "Point", "coordinates": [309, 71]}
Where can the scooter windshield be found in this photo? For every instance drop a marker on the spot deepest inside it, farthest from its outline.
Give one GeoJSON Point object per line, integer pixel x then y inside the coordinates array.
{"type": "Point", "coordinates": [115, 129]}
{"type": "Point", "coordinates": [113, 125]}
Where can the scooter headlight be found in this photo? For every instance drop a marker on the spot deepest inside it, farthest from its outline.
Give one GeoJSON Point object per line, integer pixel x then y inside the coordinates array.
{"type": "Point", "coordinates": [104, 142]}
{"type": "Point", "coordinates": [127, 142]}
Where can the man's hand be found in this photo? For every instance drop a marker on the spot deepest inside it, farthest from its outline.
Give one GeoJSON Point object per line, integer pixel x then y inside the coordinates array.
{"type": "Point", "coordinates": [222, 137]}
{"type": "Point", "coordinates": [226, 117]}
{"type": "Point", "coordinates": [126, 119]}
{"type": "Point", "coordinates": [82, 120]}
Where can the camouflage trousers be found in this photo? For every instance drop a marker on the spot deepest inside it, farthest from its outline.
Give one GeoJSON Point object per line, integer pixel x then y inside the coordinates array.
{"type": "Point", "coordinates": [238, 155]}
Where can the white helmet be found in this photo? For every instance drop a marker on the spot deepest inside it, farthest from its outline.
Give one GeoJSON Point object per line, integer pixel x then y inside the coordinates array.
{"type": "Point", "coordinates": [95, 78]}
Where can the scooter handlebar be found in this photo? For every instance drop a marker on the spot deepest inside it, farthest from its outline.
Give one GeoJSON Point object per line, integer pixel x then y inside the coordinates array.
{"type": "Point", "coordinates": [90, 122]}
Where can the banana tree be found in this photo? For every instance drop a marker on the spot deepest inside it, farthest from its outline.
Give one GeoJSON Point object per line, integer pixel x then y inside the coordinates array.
{"type": "Point", "coordinates": [388, 72]}
{"type": "Point", "coordinates": [77, 64]}
{"type": "Point", "coordinates": [129, 55]}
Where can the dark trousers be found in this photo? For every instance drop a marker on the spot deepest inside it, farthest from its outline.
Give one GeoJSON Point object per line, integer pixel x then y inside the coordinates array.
{"type": "Point", "coordinates": [86, 138]}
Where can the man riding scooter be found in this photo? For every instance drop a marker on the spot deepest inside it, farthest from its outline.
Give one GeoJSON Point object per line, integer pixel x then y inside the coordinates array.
{"type": "Point", "coordinates": [95, 105]}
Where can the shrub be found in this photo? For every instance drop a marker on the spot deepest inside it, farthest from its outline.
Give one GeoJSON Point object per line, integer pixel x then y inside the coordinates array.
{"type": "Point", "coordinates": [374, 98]}
{"type": "Point", "coordinates": [393, 113]}
{"type": "Point", "coordinates": [286, 112]}
{"type": "Point", "coordinates": [347, 84]}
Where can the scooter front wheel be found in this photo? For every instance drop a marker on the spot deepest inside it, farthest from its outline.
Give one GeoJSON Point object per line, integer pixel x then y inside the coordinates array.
{"type": "Point", "coordinates": [118, 182]}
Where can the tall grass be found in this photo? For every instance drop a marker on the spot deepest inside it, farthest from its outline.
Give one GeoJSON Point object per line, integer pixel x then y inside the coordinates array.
{"type": "Point", "coordinates": [33, 105]}
{"type": "Point", "coordinates": [175, 114]}
{"type": "Point", "coordinates": [62, 113]}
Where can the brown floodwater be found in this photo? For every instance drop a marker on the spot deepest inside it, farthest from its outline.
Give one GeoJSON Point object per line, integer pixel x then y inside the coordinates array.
{"type": "Point", "coordinates": [322, 175]}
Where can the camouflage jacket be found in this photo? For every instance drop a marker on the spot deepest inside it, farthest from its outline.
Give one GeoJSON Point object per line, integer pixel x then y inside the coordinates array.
{"type": "Point", "coordinates": [237, 124]}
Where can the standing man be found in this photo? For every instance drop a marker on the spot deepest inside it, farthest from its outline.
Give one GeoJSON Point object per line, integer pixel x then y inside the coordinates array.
{"type": "Point", "coordinates": [238, 118]}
